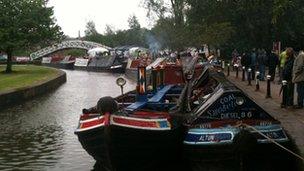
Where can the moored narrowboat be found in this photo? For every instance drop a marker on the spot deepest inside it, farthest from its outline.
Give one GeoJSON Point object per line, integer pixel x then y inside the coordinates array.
{"type": "Point", "coordinates": [135, 131]}
{"type": "Point", "coordinates": [223, 123]}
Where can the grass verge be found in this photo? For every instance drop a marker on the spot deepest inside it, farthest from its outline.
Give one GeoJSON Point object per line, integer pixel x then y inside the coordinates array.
{"type": "Point", "coordinates": [24, 76]}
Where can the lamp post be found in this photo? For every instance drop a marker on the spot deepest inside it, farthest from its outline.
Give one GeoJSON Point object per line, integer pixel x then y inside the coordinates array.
{"type": "Point", "coordinates": [243, 75]}
{"type": "Point", "coordinates": [268, 95]}
{"type": "Point", "coordinates": [249, 76]}
{"type": "Point", "coordinates": [237, 70]}
{"type": "Point", "coordinates": [228, 69]}
{"type": "Point", "coordinates": [284, 96]}
{"type": "Point", "coordinates": [121, 82]}
{"type": "Point", "coordinates": [257, 81]}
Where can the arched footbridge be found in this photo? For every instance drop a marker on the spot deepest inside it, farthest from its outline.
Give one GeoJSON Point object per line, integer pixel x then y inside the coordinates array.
{"type": "Point", "coordinates": [71, 44]}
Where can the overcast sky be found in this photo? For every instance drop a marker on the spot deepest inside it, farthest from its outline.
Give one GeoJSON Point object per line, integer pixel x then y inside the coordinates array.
{"type": "Point", "coordinates": [72, 15]}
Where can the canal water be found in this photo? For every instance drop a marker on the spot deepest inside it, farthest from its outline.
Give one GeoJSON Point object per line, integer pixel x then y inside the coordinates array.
{"type": "Point", "coordinates": [39, 134]}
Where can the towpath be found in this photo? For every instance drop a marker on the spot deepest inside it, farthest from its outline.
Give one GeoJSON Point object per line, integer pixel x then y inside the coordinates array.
{"type": "Point", "coordinates": [291, 119]}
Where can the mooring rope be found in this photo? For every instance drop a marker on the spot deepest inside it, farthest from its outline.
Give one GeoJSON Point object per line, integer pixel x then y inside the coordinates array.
{"type": "Point", "coordinates": [271, 140]}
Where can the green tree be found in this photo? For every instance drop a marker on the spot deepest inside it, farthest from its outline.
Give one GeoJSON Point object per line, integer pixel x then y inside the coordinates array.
{"type": "Point", "coordinates": [90, 29]}
{"type": "Point", "coordinates": [170, 26]}
{"type": "Point", "coordinates": [24, 24]}
{"type": "Point", "coordinates": [109, 30]}
{"type": "Point", "coordinates": [133, 22]}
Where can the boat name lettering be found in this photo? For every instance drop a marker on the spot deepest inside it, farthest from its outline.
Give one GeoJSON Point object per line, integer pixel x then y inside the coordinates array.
{"type": "Point", "coordinates": [227, 99]}
{"type": "Point", "coordinates": [205, 126]}
{"type": "Point", "coordinates": [206, 138]}
{"type": "Point", "coordinates": [264, 123]}
{"type": "Point", "coordinates": [222, 109]}
{"type": "Point", "coordinates": [235, 115]}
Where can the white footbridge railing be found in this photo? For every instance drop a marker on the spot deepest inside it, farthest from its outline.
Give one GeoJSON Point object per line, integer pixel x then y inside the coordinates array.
{"type": "Point", "coordinates": [70, 44]}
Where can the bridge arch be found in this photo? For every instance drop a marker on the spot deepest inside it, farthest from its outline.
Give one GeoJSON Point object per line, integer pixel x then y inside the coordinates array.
{"type": "Point", "coordinates": [70, 44]}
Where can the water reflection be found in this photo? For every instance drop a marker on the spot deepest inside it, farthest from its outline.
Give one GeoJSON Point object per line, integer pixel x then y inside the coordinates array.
{"type": "Point", "coordinates": [39, 134]}
{"type": "Point", "coordinates": [32, 148]}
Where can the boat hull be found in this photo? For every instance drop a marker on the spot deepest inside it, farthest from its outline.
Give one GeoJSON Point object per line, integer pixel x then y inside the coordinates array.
{"type": "Point", "coordinates": [232, 152]}
{"type": "Point", "coordinates": [144, 149]}
{"type": "Point", "coordinates": [69, 65]}
{"type": "Point", "coordinates": [120, 147]}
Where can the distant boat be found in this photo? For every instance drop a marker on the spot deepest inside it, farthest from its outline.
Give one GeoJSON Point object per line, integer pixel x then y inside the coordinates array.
{"type": "Point", "coordinates": [101, 60]}
{"type": "Point", "coordinates": [58, 62]}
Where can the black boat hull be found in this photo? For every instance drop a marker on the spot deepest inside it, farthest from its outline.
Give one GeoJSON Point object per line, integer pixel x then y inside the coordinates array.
{"type": "Point", "coordinates": [231, 151]}
{"type": "Point", "coordinates": [144, 149]}
{"type": "Point", "coordinates": [140, 150]}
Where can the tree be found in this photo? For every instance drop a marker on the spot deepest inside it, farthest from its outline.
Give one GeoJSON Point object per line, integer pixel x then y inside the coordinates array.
{"type": "Point", "coordinates": [109, 30]}
{"type": "Point", "coordinates": [25, 24]}
{"type": "Point", "coordinates": [170, 26]}
{"type": "Point", "coordinates": [133, 22]}
{"type": "Point", "coordinates": [90, 29]}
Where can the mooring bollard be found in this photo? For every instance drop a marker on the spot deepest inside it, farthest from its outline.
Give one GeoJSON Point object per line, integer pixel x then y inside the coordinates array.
{"type": "Point", "coordinates": [268, 95]}
{"type": "Point", "coordinates": [257, 81]}
{"type": "Point", "coordinates": [284, 96]}
{"type": "Point", "coordinates": [223, 64]}
{"type": "Point", "coordinates": [243, 75]}
{"type": "Point", "coordinates": [228, 69]}
{"type": "Point", "coordinates": [236, 66]}
{"type": "Point", "coordinates": [249, 76]}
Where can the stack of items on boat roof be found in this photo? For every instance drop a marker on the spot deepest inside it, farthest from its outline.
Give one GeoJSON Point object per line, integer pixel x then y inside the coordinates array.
{"type": "Point", "coordinates": [180, 119]}
{"type": "Point", "coordinates": [102, 60]}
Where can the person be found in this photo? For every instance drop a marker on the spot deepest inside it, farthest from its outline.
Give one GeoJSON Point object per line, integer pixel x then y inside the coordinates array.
{"type": "Point", "coordinates": [272, 63]}
{"type": "Point", "coordinates": [282, 59]}
{"type": "Point", "coordinates": [287, 75]}
{"type": "Point", "coordinates": [178, 60]}
{"type": "Point", "coordinates": [234, 56]}
{"type": "Point", "coordinates": [245, 60]}
{"type": "Point", "coordinates": [253, 62]}
{"type": "Point", "coordinates": [261, 59]}
{"type": "Point", "coordinates": [211, 57]}
{"type": "Point", "coordinates": [298, 78]}
{"type": "Point", "coordinates": [104, 105]}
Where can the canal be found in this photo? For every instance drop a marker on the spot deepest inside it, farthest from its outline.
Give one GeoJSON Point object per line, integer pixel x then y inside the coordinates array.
{"type": "Point", "coordinates": [39, 134]}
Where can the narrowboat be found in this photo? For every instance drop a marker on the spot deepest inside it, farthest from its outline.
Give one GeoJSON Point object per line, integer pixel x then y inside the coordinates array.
{"type": "Point", "coordinates": [223, 123]}
{"type": "Point", "coordinates": [136, 131]}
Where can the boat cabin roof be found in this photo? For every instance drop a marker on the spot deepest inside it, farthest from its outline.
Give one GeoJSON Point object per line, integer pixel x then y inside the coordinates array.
{"type": "Point", "coordinates": [225, 102]}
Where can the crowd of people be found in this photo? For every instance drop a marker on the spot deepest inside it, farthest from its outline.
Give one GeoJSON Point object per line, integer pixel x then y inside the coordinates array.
{"type": "Point", "coordinates": [289, 64]}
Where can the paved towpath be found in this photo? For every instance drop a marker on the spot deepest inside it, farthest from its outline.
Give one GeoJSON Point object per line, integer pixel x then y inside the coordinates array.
{"type": "Point", "coordinates": [291, 119]}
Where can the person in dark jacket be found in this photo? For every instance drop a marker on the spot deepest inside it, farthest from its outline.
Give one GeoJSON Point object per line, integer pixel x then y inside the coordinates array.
{"type": "Point", "coordinates": [261, 55]}
{"type": "Point", "coordinates": [245, 60]}
{"type": "Point", "coordinates": [273, 62]}
{"type": "Point", "coordinates": [253, 62]}
{"type": "Point", "coordinates": [287, 75]}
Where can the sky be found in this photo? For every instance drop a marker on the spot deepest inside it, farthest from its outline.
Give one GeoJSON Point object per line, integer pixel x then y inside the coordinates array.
{"type": "Point", "coordinates": [72, 15]}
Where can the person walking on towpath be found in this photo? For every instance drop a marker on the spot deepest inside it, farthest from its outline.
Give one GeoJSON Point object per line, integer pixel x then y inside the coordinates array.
{"type": "Point", "coordinates": [262, 61]}
{"type": "Point", "coordinates": [282, 60]}
{"type": "Point", "coordinates": [298, 78]}
{"type": "Point", "coordinates": [246, 60]}
{"type": "Point", "coordinates": [287, 75]}
{"type": "Point", "coordinates": [273, 61]}
{"type": "Point", "coordinates": [253, 62]}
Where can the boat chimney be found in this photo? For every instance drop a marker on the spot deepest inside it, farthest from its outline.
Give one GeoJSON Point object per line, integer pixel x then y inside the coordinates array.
{"type": "Point", "coordinates": [154, 79]}
{"type": "Point", "coordinates": [141, 84]}
{"type": "Point", "coordinates": [161, 75]}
